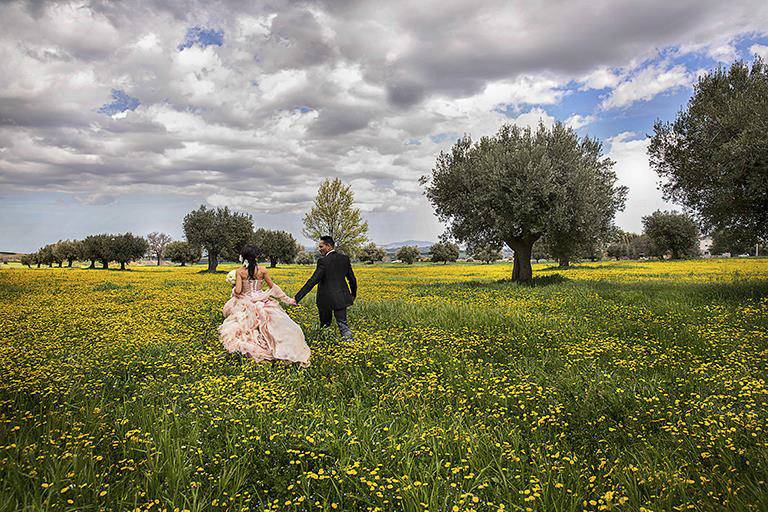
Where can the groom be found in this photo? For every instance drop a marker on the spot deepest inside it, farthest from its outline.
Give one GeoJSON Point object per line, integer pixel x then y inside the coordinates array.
{"type": "Point", "coordinates": [333, 295]}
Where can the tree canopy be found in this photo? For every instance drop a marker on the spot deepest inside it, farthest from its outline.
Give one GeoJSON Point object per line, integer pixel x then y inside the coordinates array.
{"type": "Point", "coordinates": [372, 253]}
{"type": "Point", "coordinates": [444, 252]}
{"type": "Point", "coordinates": [333, 213]}
{"type": "Point", "coordinates": [276, 246]}
{"type": "Point", "coordinates": [520, 184]}
{"type": "Point", "coordinates": [408, 254]}
{"type": "Point", "coordinates": [486, 253]}
{"type": "Point", "coordinates": [221, 232]}
{"type": "Point", "coordinates": [713, 158]}
{"type": "Point", "coordinates": [157, 244]}
{"type": "Point", "coordinates": [183, 252]}
{"type": "Point", "coordinates": [127, 247]}
{"type": "Point", "coordinates": [671, 232]}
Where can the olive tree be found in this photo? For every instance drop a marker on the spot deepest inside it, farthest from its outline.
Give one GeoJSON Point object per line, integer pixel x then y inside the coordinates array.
{"type": "Point", "coordinates": [372, 253]}
{"type": "Point", "coordinates": [408, 254]}
{"type": "Point", "coordinates": [444, 252]}
{"type": "Point", "coordinates": [221, 232]}
{"type": "Point", "coordinates": [520, 184]}
{"type": "Point", "coordinates": [714, 156]}
{"type": "Point", "coordinates": [183, 252]}
{"type": "Point", "coordinates": [127, 247]}
{"type": "Point", "coordinates": [672, 232]}
{"type": "Point", "coordinates": [276, 246]}
{"type": "Point", "coordinates": [486, 253]}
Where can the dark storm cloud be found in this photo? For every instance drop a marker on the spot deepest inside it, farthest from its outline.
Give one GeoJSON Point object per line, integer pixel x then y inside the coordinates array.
{"type": "Point", "coordinates": [335, 121]}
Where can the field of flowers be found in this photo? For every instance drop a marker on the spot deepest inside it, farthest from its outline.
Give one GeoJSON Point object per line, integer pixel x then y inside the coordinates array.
{"type": "Point", "coordinates": [609, 386]}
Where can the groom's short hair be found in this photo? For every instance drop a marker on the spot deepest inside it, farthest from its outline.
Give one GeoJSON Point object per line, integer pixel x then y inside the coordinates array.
{"type": "Point", "coordinates": [329, 240]}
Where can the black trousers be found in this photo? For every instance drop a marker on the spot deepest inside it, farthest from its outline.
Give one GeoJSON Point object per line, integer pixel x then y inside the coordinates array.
{"type": "Point", "coordinates": [326, 315]}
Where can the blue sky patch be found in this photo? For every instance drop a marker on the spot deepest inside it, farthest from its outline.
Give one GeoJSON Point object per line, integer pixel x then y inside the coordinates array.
{"type": "Point", "coordinates": [442, 137]}
{"type": "Point", "coordinates": [202, 37]}
{"type": "Point", "coordinates": [120, 103]}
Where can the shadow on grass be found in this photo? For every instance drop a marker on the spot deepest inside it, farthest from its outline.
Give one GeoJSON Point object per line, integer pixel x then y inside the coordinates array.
{"type": "Point", "coordinates": [587, 265]}
{"type": "Point", "coordinates": [736, 291]}
{"type": "Point", "coordinates": [536, 282]}
{"type": "Point", "coordinates": [106, 286]}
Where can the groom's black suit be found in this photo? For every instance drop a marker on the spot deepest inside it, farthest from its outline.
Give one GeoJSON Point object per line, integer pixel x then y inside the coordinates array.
{"type": "Point", "coordinates": [333, 295]}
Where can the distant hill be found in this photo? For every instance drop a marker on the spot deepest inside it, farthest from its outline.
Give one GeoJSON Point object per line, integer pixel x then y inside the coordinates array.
{"type": "Point", "coordinates": [421, 244]}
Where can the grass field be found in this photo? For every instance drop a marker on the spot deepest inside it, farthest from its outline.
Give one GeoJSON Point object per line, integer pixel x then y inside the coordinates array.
{"type": "Point", "coordinates": [609, 386]}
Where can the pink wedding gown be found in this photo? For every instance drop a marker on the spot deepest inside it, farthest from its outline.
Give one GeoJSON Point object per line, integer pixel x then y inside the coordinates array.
{"type": "Point", "coordinates": [256, 326]}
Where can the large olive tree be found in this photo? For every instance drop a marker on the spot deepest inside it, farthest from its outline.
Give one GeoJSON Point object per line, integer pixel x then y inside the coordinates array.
{"type": "Point", "coordinates": [520, 184]}
{"type": "Point", "coordinates": [714, 155]}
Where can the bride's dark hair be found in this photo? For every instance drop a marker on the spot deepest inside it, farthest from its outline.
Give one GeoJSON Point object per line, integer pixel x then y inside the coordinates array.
{"type": "Point", "coordinates": [251, 253]}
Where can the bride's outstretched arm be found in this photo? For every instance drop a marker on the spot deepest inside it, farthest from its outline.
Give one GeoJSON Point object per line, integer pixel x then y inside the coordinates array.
{"type": "Point", "coordinates": [276, 291]}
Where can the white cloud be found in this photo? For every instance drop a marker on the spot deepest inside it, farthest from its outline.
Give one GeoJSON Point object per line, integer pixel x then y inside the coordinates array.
{"type": "Point", "coordinates": [577, 121]}
{"type": "Point", "coordinates": [759, 49]}
{"type": "Point", "coordinates": [532, 118]}
{"type": "Point", "coordinates": [726, 52]}
{"type": "Point", "coordinates": [647, 83]}
{"type": "Point", "coordinates": [600, 78]}
{"type": "Point", "coordinates": [629, 151]}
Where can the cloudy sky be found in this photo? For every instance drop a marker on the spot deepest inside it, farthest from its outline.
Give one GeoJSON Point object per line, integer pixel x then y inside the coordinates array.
{"type": "Point", "coordinates": [123, 116]}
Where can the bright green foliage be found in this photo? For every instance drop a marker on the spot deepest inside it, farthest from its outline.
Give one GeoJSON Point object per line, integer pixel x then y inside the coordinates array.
{"type": "Point", "coordinates": [334, 214]}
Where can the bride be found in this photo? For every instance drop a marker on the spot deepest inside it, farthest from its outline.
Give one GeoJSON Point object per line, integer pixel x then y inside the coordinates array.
{"type": "Point", "coordinates": [254, 324]}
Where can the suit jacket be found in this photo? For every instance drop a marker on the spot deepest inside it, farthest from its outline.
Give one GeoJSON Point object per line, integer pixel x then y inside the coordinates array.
{"type": "Point", "coordinates": [331, 276]}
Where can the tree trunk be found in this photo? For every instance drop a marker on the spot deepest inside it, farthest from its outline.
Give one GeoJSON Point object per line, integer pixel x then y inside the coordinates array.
{"type": "Point", "coordinates": [523, 247]}
{"type": "Point", "coordinates": [61, 263]}
{"type": "Point", "coordinates": [213, 262]}
{"type": "Point", "coordinates": [565, 262]}
{"type": "Point", "coordinates": [122, 265]}
{"type": "Point", "coordinates": [183, 264]}
{"type": "Point", "coordinates": [158, 259]}
{"type": "Point", "coordinates": [69, 264]}
{"type": "Point", "coordinates": [93, 264]}
{"type": "Point", "coordinates": [38, 265]}
{"type": "Point", "coordinates": [272, 263]}
{"type": "Point", "coordinates": [104, 264]}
